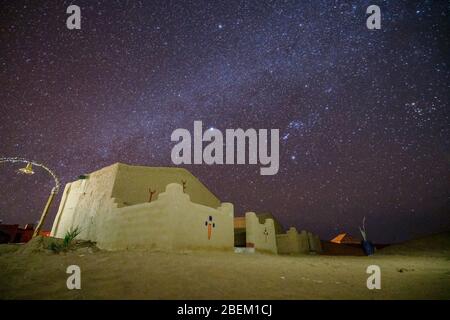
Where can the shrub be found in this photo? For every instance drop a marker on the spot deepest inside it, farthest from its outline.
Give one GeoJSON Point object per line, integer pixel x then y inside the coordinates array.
{"type": "Point", "coordinates": [66, 244]}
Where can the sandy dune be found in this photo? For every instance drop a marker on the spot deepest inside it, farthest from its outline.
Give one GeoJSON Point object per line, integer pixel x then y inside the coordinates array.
{"type": "Point", "coordinates": [28, 272]}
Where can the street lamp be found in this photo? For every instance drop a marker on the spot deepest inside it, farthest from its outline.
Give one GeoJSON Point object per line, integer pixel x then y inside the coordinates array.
{"type": "Point", "coordinates": [28, 170]}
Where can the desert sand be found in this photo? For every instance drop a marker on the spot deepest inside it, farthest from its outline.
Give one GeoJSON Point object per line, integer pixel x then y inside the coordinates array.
{"type": "Point", "coordinates": [407, 272]}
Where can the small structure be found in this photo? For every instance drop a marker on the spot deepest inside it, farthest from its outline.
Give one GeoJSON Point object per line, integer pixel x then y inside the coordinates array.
{"type": "Point", "coordinates": [343, 244]}
{"type": "Point", "coordinates": [255, 233]}
{"type": "Point", "coordinates": [345, 238]}
{"type": "Point", "coordinates": [260, 236]}
{"type": "Point", "coordinates": [293, 242]}
{"type": "Point", "coordinates": [241, 240]}
{"type": "Point", "coordinates": [13, 233]}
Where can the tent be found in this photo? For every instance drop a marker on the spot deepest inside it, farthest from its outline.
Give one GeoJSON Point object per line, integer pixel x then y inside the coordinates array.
{"type": "Point", "coordinates": [345, 238]}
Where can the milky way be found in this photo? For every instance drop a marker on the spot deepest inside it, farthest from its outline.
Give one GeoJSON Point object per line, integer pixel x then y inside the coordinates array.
{"type": "Point", "coordinates": [363, 114]}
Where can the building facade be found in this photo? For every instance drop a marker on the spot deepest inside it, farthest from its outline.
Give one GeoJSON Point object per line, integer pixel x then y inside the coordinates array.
{"type": "Point", "coordinates": [123, 207]}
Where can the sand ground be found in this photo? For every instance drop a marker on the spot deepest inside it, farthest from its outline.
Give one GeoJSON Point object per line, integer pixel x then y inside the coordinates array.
{"type": "Point", "coordinates": [138, 274]}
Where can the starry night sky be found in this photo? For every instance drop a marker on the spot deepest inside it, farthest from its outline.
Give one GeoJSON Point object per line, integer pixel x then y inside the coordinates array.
{"type": "Point", "coordinates": [363, 115]}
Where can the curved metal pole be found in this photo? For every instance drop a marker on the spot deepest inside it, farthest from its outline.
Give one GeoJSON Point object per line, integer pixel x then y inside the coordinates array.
{"type": "Point", "coordinates": [54, 191]}
{"type": "Point", "coordinates": [34, 163]}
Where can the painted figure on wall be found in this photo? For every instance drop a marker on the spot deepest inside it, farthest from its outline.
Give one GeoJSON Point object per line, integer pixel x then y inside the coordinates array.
{"type": "Point", "coordinates": [151, 193]}
{"type": "Point", "coordinates": [210, 225]}
{"type": "Point", "coordinates": [266, 233]}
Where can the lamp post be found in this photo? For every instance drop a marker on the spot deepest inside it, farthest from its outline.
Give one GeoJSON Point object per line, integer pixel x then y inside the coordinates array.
{"type": "Point", "coordinates": [28, 169]}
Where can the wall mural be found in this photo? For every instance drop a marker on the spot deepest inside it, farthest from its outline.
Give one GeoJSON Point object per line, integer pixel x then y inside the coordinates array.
{"type": "Point", "coordinates": [210, 224]}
